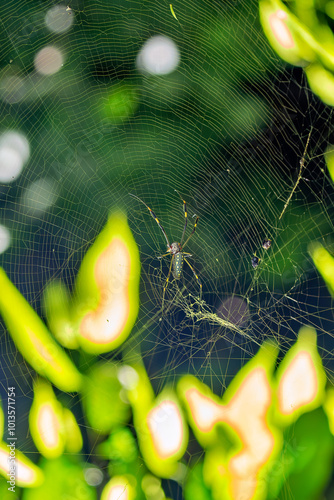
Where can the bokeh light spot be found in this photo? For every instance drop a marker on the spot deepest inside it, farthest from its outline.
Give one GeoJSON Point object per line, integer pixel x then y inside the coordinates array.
{"type": "Point", "coordinates": [158, 56]}
{"type": "Point", "coordinates": [58, 20]}
{"type": "Point", "coordinates": [93, 476]}
{"type": "Point", "coordinates": [4, 239]}
{"type": "Point", "coordinates": [235, 310]}
{"type": "Point", "coordinates": [12, 89]}
{"type": "Point", "coordinates": [48, 60]}
{"type": "Point", "coordinates": [38, 197]}
{"type": "Point", "coordinates": [128, 377]}
{"type": "Point", "coordinates": [14, 152]}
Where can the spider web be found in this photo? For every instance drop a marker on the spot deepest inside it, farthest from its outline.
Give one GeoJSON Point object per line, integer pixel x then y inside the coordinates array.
{"type": "Point", "coordinates": [227, 129]}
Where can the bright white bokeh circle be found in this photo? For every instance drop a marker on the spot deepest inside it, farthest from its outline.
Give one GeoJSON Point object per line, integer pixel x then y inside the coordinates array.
{"type": "Point", "coordinates": [4, 238]}
{"type": "Point", "coordinates": [48, 60]}
{"type": "Point", "coordinates": [14, 153]}
{"type": "Point", "coordinates": [158, 56]}
{"type": "Point", "coordinates": [128, 377]}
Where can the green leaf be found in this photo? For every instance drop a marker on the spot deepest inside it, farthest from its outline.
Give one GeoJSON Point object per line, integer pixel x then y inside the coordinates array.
{"type": "Point", "coordinates": [119, 447]}
{"type": "Point", "coordinates": [195, 488]}
{"type": "Point", "coordinates": [5, 494]}
{"type": "Point", "coordinates": [63, 479]}
{"type": "Point", "coordinates": [305, 464]}
{"type": "Point", "coordinates": [102, 400]}
{"type": "Point", "coordinates": [34, 340]}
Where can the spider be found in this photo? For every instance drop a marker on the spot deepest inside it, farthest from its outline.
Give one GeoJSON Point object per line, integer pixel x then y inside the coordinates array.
{"type": "Point", "coordinates": [176, 249]}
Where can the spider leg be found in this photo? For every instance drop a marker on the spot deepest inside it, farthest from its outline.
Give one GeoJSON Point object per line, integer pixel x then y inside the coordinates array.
{"type": "Point", "coordinates": [192, 232]}
{"type": "Point", "coordinates": [197, 278]}
{"type": "Point", "coordinates": [166, 284]}
{"type": "Point", "coordinates": [164, 255]}
{"type": "Point", "coordinates": [185, 215]}
{"type": "Point", "coordinates": [154, 217]}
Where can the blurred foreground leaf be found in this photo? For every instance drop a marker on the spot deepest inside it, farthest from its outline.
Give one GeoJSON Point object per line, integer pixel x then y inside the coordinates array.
{"type": "Point", "coordinates": [33, 339]}
{"type": "Point", "coordinates": [102, 398]}
{"type": "Point", "coordinates": [64, 478]}
{"type": "Point", "coordinates": [305, 464]}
